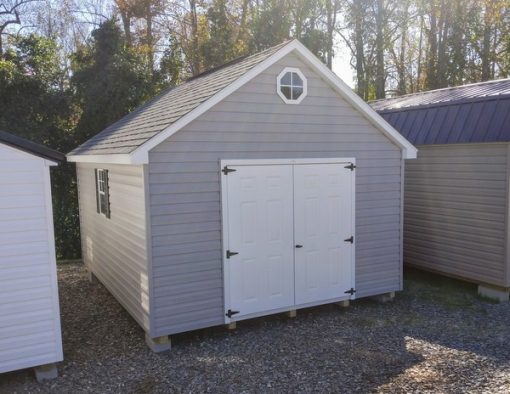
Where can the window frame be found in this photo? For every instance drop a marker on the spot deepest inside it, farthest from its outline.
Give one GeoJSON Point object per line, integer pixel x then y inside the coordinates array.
{"type": "Point", "coordinates": [279, 85]}
{"type": "Point", "coordinates": [102, 191]}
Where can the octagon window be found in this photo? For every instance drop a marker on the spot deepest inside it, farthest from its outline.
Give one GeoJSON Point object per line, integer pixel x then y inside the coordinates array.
{"type": "Point", "coordinates": [291, 85]}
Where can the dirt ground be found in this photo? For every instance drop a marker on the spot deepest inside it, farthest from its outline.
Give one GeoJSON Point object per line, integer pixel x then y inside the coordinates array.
{"type": "Point", "coordinates": [437, 336]}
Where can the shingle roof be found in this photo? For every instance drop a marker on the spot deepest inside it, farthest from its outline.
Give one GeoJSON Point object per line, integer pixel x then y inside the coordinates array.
{"type": "Point", "coordinates": [31, 147]}
{"type": "Point", "coordinates": [465, 114]}
{"type": "Point", "coordinates": [146, 121]}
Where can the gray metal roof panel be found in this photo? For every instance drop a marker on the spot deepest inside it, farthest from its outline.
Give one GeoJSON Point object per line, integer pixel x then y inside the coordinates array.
{"type": "Point", "coordinates": [466, 92]}
{"type": "Point", "coordinates": [465, 114]}
{"type": "Point", "coordinates": [136, 128]}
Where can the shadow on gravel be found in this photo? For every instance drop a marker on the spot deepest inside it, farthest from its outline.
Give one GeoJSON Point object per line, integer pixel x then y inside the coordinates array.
{"type": "Point", "coordinates": [417, 340]}
{"type": "Point", "coordinates": [464, 321]}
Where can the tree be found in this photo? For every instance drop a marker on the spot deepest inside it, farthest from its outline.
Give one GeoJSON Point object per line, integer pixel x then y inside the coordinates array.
{"type": "Point", "coordinates": [271, 24]}
{"type": "Point", "coordinates": [221, 44]}
{"type": "Point", "coordinates": [10, 14]}
{"type": "Point", "coordinates": [110, 80]}
{"type": "Point", "coordinates": [35, 105]}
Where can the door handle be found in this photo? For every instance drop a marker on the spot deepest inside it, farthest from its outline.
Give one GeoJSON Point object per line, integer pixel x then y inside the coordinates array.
{"type": "Point", "coordinates": [299, 246]}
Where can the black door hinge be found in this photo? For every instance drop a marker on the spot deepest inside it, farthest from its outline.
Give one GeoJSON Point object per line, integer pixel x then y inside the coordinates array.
{"type": "Point", "coordinates": [351, 291]}
{"type": "Point", "coordinates": [351, 239]}
{"type": "Point", "coordinates": [230, 254]}
{"type": "Point", "coordinates": [231, 313]}
{"type": "Point", "coordinates": [226, 170]}
{"type": "Point", "coordinates": [351, 167]}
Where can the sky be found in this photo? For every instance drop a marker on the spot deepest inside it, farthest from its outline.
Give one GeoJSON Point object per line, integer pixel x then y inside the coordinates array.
{"type": "Point", "coordinates": [341, 63]}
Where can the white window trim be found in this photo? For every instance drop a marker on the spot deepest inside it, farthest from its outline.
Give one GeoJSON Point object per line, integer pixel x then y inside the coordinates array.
{"type": "Point", "coordinates": [279, 85]}
{"type": "Point", "coordinates": [100, 181]}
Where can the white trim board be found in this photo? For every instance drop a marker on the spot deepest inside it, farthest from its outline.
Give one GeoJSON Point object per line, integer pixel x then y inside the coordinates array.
{"type": "Point", "coordinates": [270, 162]}
{"type": "Point", "coordinates": [103, 159]}
{"type": "Point", "coordinates": [141, 154]}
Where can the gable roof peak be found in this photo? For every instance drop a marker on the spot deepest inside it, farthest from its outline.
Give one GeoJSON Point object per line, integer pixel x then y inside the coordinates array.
{"type": "Point", "coordinates": [129, 140]}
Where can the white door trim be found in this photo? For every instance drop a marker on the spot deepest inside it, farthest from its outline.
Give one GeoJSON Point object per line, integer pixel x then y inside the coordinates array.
{"type": "Point", "coordinates": [270, 162]}
{"type": "Point", "coordinates": [225, 219]}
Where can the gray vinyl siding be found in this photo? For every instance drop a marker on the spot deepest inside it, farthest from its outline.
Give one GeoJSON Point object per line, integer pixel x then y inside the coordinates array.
{"type": "Point", "coordinates": [254, 123]}
{"type": "Point", "coordinates": [456, 211]}
{"type": "Point", "coordinates": [115, 249]}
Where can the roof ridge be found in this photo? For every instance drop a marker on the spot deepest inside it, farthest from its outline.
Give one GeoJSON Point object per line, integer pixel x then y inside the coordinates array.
{"type": "Point", "coordinates": [448, 103]}
{"type": "Point", "coordinates": [440, 90]}
{"type": "Point", "coordinates": [236, 60]}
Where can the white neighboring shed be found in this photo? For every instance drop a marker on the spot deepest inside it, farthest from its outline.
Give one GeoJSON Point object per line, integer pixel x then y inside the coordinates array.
{"type": "Point", "coordinates": [30, 333]}
{"type": "Point", "coordinates": [263, 186]}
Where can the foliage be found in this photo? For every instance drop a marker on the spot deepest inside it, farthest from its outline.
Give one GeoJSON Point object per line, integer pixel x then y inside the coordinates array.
{"type": "Point", "coordinates": [36, 106]}
{"type": "Point", "coordinates": [109, 80]}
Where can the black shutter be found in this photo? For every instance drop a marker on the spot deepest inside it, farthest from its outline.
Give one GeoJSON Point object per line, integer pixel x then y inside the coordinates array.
{"type": "Point", "coordinates": [97, 191]}
{"type": "Point", "coordinates": [107, 193]}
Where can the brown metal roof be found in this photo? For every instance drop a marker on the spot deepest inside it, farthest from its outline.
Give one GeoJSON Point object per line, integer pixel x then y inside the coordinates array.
{"type": "Point", "coordinates": [465, 114]}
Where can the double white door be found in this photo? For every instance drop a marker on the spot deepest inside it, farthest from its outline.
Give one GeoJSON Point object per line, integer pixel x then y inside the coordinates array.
{"type": "Point", "coordinates": [287, 234]}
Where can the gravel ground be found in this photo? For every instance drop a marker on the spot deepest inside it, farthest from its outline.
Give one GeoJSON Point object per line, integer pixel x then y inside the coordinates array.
{"type": "Point", "coordinates": [437, 336]}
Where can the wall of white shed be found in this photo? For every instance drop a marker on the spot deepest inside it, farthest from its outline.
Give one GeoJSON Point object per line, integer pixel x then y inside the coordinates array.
{"type": "Point", "coordinates": [30, 333]}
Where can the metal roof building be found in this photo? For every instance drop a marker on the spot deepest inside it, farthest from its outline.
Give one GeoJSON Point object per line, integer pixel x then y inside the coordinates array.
{"type": "Point", "coordinates": [457, 192]}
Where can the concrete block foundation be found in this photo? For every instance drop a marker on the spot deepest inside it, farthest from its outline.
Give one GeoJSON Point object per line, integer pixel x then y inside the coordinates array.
{"type": "Point", "coordinates": [159, 344]}
{"type": "Point", "coordinates": [386, 297]}
{"type": "Point", "coordinates": [92, 278]}
{"type": "Point", "coordinates": [494, 293]}
{"type": "Point", "coordinates": [46, 372]}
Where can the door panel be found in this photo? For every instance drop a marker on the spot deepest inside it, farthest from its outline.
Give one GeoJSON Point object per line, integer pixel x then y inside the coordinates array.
{"type": "Point", "coordinates": [322, 221]}
{"type": "Point", "coordinates": [260, 229]}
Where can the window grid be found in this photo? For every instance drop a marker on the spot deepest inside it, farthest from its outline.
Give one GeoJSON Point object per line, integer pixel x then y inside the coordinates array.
{"type": "Point", "coordinates": [295, 86]}
{"type": "Point", "coordinates": [291, 85]}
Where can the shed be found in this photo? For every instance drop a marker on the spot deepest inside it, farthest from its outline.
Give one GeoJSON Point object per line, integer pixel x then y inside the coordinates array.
{"type": "Point", "coordinates": [262, 186]}
{"type": "Point", "coordinates": [30, 318]}
{"type": "Point", "coordinates": [457, 192]}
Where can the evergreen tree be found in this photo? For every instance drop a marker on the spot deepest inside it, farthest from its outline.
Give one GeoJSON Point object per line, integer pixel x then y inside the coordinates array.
{"type": "Point", "coordinates": [110, 80]}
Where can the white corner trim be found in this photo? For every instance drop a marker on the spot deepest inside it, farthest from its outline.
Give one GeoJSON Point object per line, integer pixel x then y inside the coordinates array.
{"type": "Point", "coordinates": [279, 85]}
{"type": "Point", "coordinates": [52, 262]}
{"type": "Point", "coordinates": [141, 154]}
{"type": "Point", "coordinates": [106, 159]}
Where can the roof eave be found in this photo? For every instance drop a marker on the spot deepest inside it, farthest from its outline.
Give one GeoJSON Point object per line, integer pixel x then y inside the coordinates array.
{"type": "Point", "coordinates": [32, 148]}
{"type": "Point", "coordinates": [124, 158]}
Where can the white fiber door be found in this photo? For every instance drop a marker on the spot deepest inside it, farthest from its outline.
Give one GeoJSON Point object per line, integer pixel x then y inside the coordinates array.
{"type": "Point", "coordinates": [259, 267]}
{"type": "Point", "coordinates": [323, 224]}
